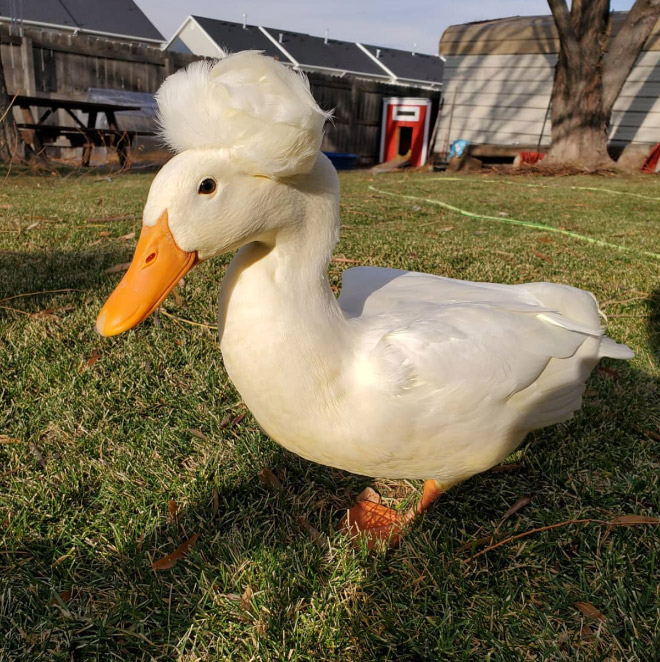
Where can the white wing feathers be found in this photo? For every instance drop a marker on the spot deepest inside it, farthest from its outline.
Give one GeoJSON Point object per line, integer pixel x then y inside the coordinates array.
{"type": "Point", "coordinates": [461, 342]}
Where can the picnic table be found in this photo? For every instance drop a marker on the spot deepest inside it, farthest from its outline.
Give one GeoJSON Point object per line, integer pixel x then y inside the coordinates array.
{"type": "Point", "coordinates": [36, 132]}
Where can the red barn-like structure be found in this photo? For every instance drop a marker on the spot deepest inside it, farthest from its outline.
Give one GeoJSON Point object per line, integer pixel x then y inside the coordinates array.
{"type": "Point", "coordinates": [405, 129]}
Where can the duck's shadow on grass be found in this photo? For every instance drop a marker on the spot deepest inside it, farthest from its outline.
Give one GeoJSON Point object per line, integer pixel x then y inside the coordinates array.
{"type": "Point", "coordinates": [267, 561]}
{"type": "Point", "coordinates": [24, 274]}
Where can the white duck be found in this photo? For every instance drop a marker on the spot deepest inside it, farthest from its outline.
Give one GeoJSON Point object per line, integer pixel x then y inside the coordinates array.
{"type": "Point", "coordinates": [407, 375]}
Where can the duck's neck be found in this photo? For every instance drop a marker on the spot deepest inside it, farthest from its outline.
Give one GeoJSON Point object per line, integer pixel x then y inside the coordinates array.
{"type": "Point", "coordinates": [281, 329]}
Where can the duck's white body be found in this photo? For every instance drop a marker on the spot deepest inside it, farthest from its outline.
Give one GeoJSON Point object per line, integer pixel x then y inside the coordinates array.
{"type": "Point", "coordinates": [407, 375]}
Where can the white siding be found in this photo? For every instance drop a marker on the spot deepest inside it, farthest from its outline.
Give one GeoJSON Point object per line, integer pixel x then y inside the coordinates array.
{"type": "Point", "coordinates": [502, 100]}
{"type": "Point", "coordinates": [496, 99]}
{"type": "Point", "coordinates": [198, 41]}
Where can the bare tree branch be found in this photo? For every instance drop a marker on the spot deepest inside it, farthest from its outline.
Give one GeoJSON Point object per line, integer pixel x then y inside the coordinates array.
{"type": "Point", "coordinates": [626, 46]}
{"type": "Point", "coordinates": [567, 37]}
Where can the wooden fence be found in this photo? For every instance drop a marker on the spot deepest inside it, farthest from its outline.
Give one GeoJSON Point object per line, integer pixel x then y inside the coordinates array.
{"type": "Point", "coordinates": [357, 106]}
{"type": "Point", "coordinates": [57, 64]}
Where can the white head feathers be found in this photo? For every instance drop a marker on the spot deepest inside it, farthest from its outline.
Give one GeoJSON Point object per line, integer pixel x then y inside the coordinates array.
{"type": "Point", "coordinates": [249, 104]}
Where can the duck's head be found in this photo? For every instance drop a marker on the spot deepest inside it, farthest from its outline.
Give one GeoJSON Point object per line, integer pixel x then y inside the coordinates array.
{"type": "Point", "coordinates": [243, 127]}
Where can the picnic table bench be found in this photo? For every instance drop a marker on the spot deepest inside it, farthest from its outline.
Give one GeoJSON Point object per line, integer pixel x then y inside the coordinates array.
{"type": "Point", "coordinates": [37, 133]}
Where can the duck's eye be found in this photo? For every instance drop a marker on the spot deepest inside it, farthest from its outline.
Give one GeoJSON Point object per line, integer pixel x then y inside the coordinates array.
{"type": "Point", "coordinates": [207, 186]}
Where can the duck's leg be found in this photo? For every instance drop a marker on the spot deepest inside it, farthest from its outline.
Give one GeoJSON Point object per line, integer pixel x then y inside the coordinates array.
{"type": "Point", "coordinates": [368, 519]}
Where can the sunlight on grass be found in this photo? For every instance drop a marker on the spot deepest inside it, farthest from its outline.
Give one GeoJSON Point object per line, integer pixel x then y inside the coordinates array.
{"type": "Point", "coordinates": [100, 435]}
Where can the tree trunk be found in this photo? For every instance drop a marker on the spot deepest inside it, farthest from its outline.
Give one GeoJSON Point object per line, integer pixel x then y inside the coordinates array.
{"type": "Point", "coordinates": [10, 139]}
{"type": "Point", "coordinates": [590, 71]}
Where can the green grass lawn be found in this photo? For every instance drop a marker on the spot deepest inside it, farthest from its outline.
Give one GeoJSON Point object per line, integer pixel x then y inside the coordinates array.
{"type": "Point", "coordinates": [105, 438]}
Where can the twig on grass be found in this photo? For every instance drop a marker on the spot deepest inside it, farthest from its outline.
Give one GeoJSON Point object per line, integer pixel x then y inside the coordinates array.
{"type": "Point", "coordinates": [185, 321]}
{"type": "Point", "coordinates": [532, 531]}
{"type": "Point", "coordinates": [622, 520]}
{"type": "Point", "coordinates": [33, 294]}
{"type": "Point", "coordinates": [14, 310]}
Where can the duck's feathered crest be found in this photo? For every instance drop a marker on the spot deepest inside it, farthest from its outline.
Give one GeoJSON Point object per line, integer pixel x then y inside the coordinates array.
{"type": "Point", "coordinates": [248, 103]}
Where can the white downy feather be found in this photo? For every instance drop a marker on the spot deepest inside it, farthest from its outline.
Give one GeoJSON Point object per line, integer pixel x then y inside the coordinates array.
{"type": "Point", "coordinates": [248, 104]}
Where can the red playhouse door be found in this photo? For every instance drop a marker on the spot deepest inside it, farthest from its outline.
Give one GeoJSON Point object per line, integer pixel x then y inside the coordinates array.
{"type": "Point", "coordinates": [405, 129]}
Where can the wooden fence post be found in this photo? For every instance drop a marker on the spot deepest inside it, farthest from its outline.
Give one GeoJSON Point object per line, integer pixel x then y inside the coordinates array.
{"type": "Point", "coordinates": [27, 61]}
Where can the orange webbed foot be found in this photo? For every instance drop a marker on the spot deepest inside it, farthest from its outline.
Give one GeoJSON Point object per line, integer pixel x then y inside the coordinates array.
{"type": "Point", "coordinates": [372, 522]}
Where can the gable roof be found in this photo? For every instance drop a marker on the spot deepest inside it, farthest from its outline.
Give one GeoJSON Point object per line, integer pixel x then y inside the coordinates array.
{"type": "Point", "coordinates": [319, 53]}
{"type": "Point", "coordinates": [517, 35]}
{"type": "Point", "coordinates": [233, 37]}
{"type": "Point", "coordinates": [311, 53]}
{"type": "Point", "coordinates": [408, 66]}
{"type": "Point", "coordinates": [122, 18]}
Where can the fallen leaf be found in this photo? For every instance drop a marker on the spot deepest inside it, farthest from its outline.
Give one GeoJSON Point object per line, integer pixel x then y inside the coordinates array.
{"type": "Point", "coordinates": [4, 439]}
{"type": "Point", "coordinates": [519, 504]}
{"type": "Point", "coordinates": [172, 509]}
{"type": "Point", "coordinates": [168, 561]}
{"type": "Point", "coordinates": [31, 226]}
{"type": "Point", "coordinates": [653, 435]}
{"type": "Point", "coordinates": [269, 480]}
{"type": "Point", "coordinates": [63, 596]}
{"type": "Point", "coordinates": [587, 633]}
{"type": "Point", "coordinates": [314, 534]}
{"type": "Point", "coordinates": [239, 418]}
{"type": "Point", "coordinates": [104, 233]}
{"type": "Point", "coordinates": [38, 456]}
{"type": "Point", "coordinates": [117, 268]}
{"type": "Point", "coordinates": [590, 611]}
{"type": "Point", "coordinates": [541, 256]}
{"type": "Point", "coordinates": [246, 599]}
{"type": "Point", "coordinates": [61, 559]}
{"type": "Point", "coordinates": [93, 358]}
{"type": "Point", "coordinates": [198, 433]}
{"type": "Point", "coordinates": [234, 597]}
{"type": "Point", "coordinates": [130, 235]}
{"type": "Point", "coordinates": [632, 520]}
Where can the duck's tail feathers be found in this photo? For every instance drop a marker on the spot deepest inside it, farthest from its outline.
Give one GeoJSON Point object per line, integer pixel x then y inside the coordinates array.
{"type": "Point", "coordinates": [613, 349]}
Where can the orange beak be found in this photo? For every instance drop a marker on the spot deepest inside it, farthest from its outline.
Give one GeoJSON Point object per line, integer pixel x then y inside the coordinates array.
{"type": "Point", "coordinates": [158, 265]}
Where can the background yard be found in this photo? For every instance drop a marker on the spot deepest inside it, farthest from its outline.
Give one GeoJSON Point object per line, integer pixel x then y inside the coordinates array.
{"type": "Point", "coordinates": [116, 451]}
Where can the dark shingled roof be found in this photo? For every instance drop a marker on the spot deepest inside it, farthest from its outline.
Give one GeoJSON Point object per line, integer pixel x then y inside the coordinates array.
{"type": "Point", "coordinates": [233, 37]}
{"type": "Point", "coordinates": [121, 17]}
{"type": "Point", "coordinates": [405, 65]}
{"type": "Point", "coordinates": [313, 51]}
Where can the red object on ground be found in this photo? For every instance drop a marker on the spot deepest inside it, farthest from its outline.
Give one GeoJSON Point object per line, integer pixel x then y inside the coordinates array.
{"type": "Point", "coordinates": [405, 129]}
{"type": "Point", "coordinates": [651, 163]}
{"type": "Point", "coordinates": [531, 157]}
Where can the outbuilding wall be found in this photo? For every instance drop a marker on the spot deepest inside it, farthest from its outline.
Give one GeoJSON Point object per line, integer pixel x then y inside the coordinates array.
{"type": "Point", "coordinates": [498, 81]}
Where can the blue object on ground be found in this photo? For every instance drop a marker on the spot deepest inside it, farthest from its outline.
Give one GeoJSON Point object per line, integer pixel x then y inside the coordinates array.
{"type": "Point", "coordinates": [342, 160]}
{"type": "Point", "coordinates": [458, 147]}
